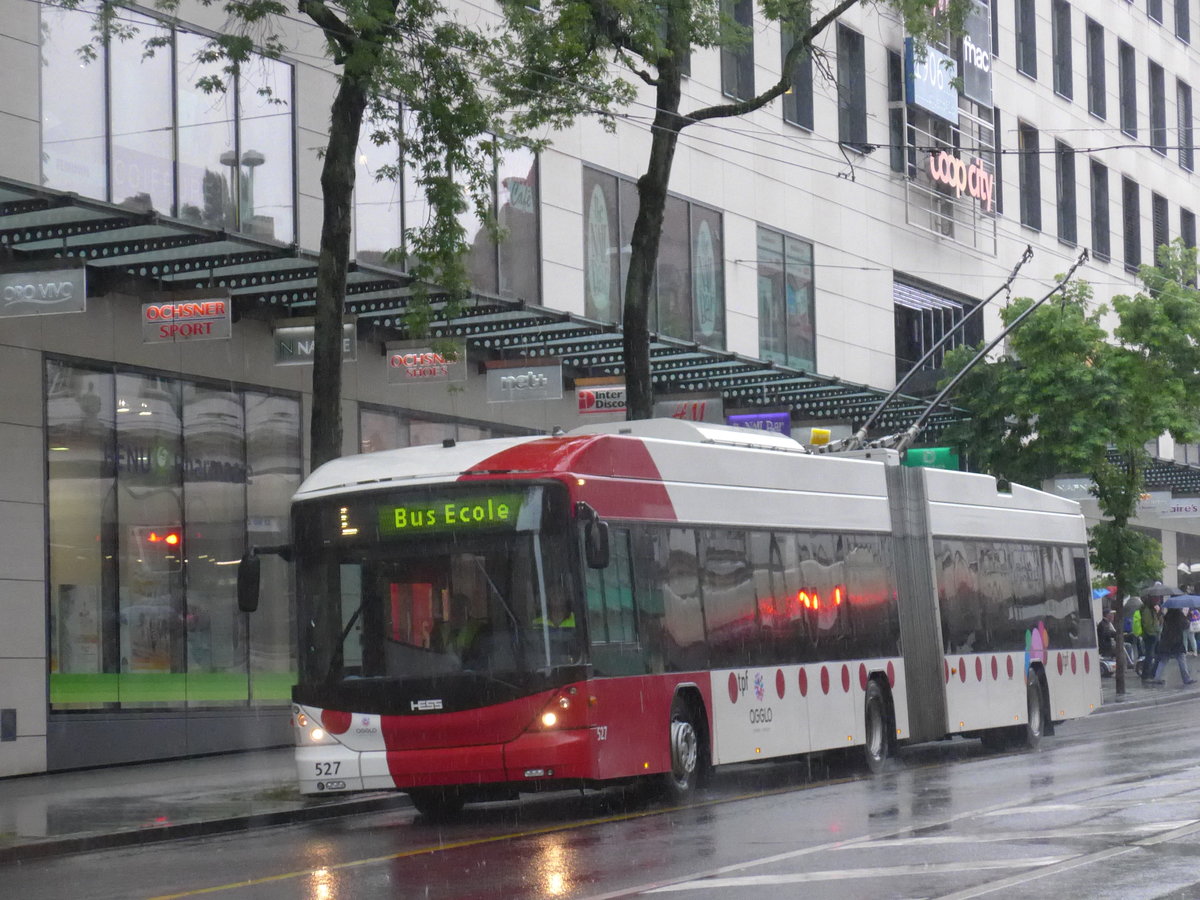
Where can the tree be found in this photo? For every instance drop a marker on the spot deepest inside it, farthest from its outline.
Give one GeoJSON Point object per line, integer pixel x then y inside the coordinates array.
{"type": "Point", "coordinates": [1068, 397]}
{"type": "Point", "coordinates": [408, 73]}
{"type": "Point", "coordinates": [652, 41]}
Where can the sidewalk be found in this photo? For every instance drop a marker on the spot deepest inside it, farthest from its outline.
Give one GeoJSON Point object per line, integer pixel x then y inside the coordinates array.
{"type": "Point", "coordinates": [120, 806]}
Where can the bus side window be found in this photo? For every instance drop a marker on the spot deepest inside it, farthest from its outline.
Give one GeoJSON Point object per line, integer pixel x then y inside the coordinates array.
{"type": "Point", "coordinates": [612, 611]}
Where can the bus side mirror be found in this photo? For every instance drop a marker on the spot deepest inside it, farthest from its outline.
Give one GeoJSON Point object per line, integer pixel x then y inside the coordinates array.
{"type": "Point", "coordinates": [595, 544]}
{"type": "Point", "coordinates": [247, 582]}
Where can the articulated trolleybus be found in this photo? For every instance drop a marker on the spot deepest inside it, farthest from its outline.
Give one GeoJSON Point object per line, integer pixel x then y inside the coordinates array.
{"type": "Point", "coordinates": [653, 598]}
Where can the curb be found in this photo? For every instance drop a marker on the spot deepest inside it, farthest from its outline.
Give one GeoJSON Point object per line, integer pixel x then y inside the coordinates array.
{"type": "Point", "coordinates": [51, 847]}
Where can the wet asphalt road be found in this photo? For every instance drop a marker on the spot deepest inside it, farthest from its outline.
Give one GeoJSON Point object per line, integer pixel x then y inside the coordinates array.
{"type": "Point", "coordinates": [1110, 807]}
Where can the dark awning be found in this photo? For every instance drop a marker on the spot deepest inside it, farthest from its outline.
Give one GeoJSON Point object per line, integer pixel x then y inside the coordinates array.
{"type": "Point", "coordinates": [131, 250]}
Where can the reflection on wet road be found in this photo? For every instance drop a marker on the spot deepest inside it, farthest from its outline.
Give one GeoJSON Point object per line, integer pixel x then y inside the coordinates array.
{"type": "Point", "coordinates": [1109, 808]}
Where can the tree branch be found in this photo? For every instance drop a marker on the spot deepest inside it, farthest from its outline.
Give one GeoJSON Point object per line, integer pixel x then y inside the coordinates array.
{"type": "Point", "coordinates": [803, 43]}
{"type": "Point", "coordinates": [334, 28]}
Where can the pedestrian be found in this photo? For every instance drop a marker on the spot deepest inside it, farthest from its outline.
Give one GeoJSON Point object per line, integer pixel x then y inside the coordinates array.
{"type": "Point", "coordinates": [1189, 636]}
{"type": "Point", "coordinates": [1170, 646]}
{"type": "Point", "coordinates": [1147, 623]}
{"type": "Point", "coordinates": [1106, 634]}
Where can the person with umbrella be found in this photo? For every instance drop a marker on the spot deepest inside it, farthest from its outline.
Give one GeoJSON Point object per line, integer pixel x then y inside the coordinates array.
{"type": "Point", "coordinates": [1170, 645]}
{"type": "Point", "coordinates": [1147, 624]}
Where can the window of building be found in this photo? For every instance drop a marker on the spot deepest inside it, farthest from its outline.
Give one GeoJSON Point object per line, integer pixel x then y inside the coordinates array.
{"type": "Point", "coordinates": [381, 428]}
{"type": "Point", "coordinates": [1131, 215]}
{"type": "Point", "coordinates": [999, 161]}
{"type": "Point", "coordinates": [895, 76]}
{"type": "Point", "coordinates": [851, 88]}
{"type": "Point", "coordinates": [1097, 104]}
{"type": "Point", "coordinates": [737, 48]}
{"type": "Point", "coordinates": [1060, 34]}
{"type": "Point", "coordinates": [138, 131]}
{"type": "Point", "coordinates": [154, 484]}
{"type": "Point", "coordinates": [1154, 9]}
{"type": "Point", "coordinates": [1158, 109]}
{"type": "Point", "coordinates": [1127, 82]}
{"type": "Point", "coordinates": [1184, 128]}
{"type": "Point", "coordinates": [1026, 25]}
{"type": "Point", "coordinates": [786, 330]}
{"type": "Point", "coordinates": [1187, 227]}
{"type": "Point", "coordinates": [923, 317]}
{"type": "Point", "coordinates": [510, 267]}
{"type": "Point", "coordinates": [1064, 178]}
{"type": "Point", "coordinates": [1101, 242]}
{"type": "Point", "coordinates": [688, 295]}
{"type": "Point", "coordinates": [1183, 21]}
{"type": "Point", "coordinates": [798, 101]}
{"type": "Point", "coordinates": [1160, 222]}
{"type": "Point", "coordinates": [1030, 176]}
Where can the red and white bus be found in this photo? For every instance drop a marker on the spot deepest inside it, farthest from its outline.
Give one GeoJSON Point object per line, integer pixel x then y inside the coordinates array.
{"type": "Point", "coordinates": [653, 598]}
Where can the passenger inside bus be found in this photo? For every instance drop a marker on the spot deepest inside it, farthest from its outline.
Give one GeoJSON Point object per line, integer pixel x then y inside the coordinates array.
{"type": "Point", "coordinates": [462, 632]}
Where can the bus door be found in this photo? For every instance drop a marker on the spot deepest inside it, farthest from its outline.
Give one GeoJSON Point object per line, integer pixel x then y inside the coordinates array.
{"type": "Point", "coordinates": [616, 647]}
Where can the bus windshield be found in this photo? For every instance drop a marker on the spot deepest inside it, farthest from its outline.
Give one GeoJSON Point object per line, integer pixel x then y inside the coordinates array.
{"type": "Point", "coordinates": [492, 604]}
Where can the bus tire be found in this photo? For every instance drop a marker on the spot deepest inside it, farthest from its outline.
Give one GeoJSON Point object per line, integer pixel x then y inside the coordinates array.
{"type": "Point", "coordinates": [1030, 734]}
{"type": "Point", "coordinates": [686, 753]}
{"type": "Point", "coordinates": [437, 803]}
{"type": "Point", "coordinates": [877, 735]}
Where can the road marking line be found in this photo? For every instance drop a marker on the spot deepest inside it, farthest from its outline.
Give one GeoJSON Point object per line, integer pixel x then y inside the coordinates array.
{"type": "Point", "coordinates": [848, 874]}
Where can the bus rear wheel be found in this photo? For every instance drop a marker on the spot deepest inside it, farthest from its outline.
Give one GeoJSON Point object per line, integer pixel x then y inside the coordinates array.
{"type": "Point", "coordinates": [686, 755]}
{"type": "Point", "coordinates": [1030, 734]}
{"type": "Point", "coordinates": [877, 743]}
{"type": "Point", "coordinates": [439, 803]}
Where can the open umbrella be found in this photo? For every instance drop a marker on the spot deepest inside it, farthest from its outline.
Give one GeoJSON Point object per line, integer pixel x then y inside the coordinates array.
{"type": "Point", "coordinates": [1182, 601]}
{"type": "Point", "coordinates": [1161, 590]}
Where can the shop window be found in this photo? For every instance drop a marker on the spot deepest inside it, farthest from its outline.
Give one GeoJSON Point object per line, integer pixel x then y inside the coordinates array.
{"type": "Point", "coordinates": [155, 486]}
{"type": "Point", "coordinates": [393, 429]}
{"type": "Point", "coordinates": [786, 332]}
{"type": "Point", "coordinates": [687, 297]}
{"type": "Point", "coordinates": [1097, 96]}
{"type": "Point", "coordinates": [1101, 241]}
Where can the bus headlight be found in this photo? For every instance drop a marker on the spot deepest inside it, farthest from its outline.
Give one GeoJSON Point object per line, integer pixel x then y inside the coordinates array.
{"type": "Point", "coordinates": [549, 719]}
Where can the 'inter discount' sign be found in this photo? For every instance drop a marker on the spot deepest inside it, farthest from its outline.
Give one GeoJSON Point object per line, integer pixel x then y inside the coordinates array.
{"type": "Point", "coordinates": [471, 513]}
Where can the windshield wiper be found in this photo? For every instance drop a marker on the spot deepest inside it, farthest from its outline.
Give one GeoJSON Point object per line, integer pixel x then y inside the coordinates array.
{"type": "Point", "coordinates": [339, 654]}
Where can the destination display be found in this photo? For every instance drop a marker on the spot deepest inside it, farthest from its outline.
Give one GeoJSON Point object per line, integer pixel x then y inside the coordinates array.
{"type": "Point", "coordinates": [470, 512]}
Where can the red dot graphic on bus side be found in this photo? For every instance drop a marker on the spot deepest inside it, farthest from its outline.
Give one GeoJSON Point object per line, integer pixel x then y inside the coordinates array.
{"type": "Point", "coordinates": [803, 683]}
{"type": "Point", "coordinates": [995, 668]}
{"type": "Point", "coordinates": [1009, 664]}
{"type": "Point", "coordinates": [946, 666]}
{"type": "Point", "coordinates": [1087, 663]}
{"type": "Point", "coordinates": [732, 688]}
{"type": "Point", "coordinates": [335, 721]}
{"type": "Point", "coordinates": [862, 676]}
{"type": "Point", "coordinates": [962, 670]}
{"type": "Point", "coordinates": [1072, 663]}
{"type": "Point", "coordinates": [1060, 663]}
{"type": "Point", "coordinates": [824, 679]}
{"type": "Point", "coordinates": [891, 673]}
{"type": "Point", "coordinates": [979, 668]}
{"type": "Point", "coordinates": [846, 679]}
{"type": "Point", "coordinates": [779, 685]}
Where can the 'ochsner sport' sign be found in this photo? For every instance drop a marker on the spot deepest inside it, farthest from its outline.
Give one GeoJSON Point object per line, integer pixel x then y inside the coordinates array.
{"type": "Point", "coordinates": [186, 320]}
{"type": "Point", "coordinates": [413, 364]}
{"type": "Point", "coordinates": [972, 179]}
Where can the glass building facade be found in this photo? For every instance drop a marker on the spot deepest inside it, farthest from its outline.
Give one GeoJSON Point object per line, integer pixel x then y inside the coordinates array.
{"type": "Point", "coordinates": [156, 486]}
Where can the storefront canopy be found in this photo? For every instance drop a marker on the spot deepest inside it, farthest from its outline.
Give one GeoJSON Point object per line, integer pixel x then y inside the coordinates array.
{"type": "Point", "coordinates": [132, 251]}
